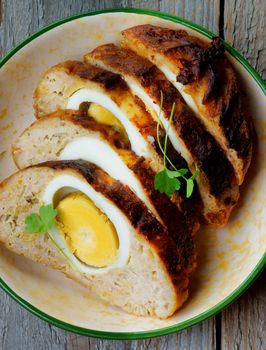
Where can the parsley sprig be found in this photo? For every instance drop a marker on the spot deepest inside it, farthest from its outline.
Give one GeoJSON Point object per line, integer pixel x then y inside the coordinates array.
{"type": "Point", "coordinates": [42, 222]}
{"type": "Point", "coordinates": [168, 181]}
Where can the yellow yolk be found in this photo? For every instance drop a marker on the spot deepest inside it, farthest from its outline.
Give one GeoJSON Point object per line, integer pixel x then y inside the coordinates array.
{"type": "Point", "coordinates": [102, 115]}
{"type": "Point", "coordinates": [90, 235]}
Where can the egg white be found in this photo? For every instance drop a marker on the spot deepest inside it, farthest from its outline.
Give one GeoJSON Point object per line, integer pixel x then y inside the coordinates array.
{"type": "Point", "coordinates": [180, 87]}
{"type": "Point", "coordinates": [138, 143]}
{"type": "Point", "coordinates": [154, 107]}
{"type": "Point", "coordinates": [97, 151]}
{"type": "Point", "coordinates": [69, 183]}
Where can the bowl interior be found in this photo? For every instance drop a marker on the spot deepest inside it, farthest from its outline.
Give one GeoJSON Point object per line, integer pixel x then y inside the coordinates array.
{"type": "Point", "coordinates": [227, 257]}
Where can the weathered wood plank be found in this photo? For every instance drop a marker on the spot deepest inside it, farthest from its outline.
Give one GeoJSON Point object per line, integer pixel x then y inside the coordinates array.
{"type": "Point", "coordinates": [21, 330]}
{"type": "Point", "coordinates": [205, 13]}
{"type": "Point", "coordinates": [244, 322]}
{"type": "Point", "coordinates": [245, 29]}
{"type": "Point", "coordinates": [1, 28]}
{"type": "Point", "coordinates": [197, 337]}
{"type": "Point", "coordinates": [54, 10]}
{"type": "Point", "coordinates": [18, 328]}
{"type": "Point", "coordinates": [20, 19]}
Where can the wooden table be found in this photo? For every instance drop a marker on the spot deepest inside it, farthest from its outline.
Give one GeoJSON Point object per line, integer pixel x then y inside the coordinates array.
{"type": "Point", "coordinates": [242, 325]}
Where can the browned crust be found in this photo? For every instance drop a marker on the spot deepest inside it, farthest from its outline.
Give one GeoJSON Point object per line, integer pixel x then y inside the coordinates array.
{"type": "Point", "coordinates": [108, 80]}
{"type": "Point", "coordinates": [198, 63]}
{"type": "Point", "coordinates": [176, 221]}
{"type": "Point", "coordinates": [206, 153]}
{"type": "Point", "coordinates": [235, 120]}
{"type": "Point", "coordinates": [179, 261]}
{"type": "Point", "coordinates": [123, 60]}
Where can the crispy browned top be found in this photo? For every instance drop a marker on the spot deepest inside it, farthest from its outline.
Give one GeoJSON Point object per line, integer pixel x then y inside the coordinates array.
{"type": "Point", "coordinates": [163, 39]}
{"type": "Point", "coordinates": [207, 154]}
{"type": "Point", "coordinates": [190, 54]}
{"type": "Point", "coordinates": [108, 80]}
{"type": "Point", "coordinates": [199, 63]}
{"type": "Point", "coordinates": [235, 119]}
{"type": "Point", "coordinates": [181, 225]}
{"type": "Point", "coordinates": [128, 63]}
{"type": "Point", "coordinates": [123, 60]}
{"type": "Point", "coordinates": [205, 150]}
{"type": "Point", "coordinates": [179, 261]}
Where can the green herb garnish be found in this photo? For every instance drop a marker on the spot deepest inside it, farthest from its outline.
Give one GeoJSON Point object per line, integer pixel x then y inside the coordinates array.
{"type": "Point", "coordinates": [166, 181]}
{"type": "Point", "coordinates": [42, 222]}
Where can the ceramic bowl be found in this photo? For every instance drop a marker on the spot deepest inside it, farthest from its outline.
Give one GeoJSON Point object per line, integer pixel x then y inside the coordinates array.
{"type": "Point", "coordinates": [229, 258]}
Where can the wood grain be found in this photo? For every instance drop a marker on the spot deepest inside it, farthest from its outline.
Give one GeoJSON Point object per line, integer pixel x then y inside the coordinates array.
{"type": "Point", "coordinates": [205, 13]}
{"type": "Point", "coordinates": [245, 29]}
{"type": "Point", "coordinates": [244, 322]}
{"type": "Point", "coordinates": [21, 330]}
{"type": "Point", "coordinates": [1, 29]}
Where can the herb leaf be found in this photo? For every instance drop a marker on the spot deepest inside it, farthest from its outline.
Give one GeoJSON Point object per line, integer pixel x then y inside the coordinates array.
{"type": "Point", "coordinates": [177, 173]}
{"type": "Point", "coordinates": [166, 184]}
{"type": "Point", "coordinates": [172, 173]}
{"type": "Point", "coordinates": [33, 223]}
{"type": "Point", "coordinates": [43, 222]}
{"type": "Point", "coordinates": [190, 183]}
{"type": "Point", "coordinates": [166, 181]}
{"type": "Point", "coordinates": [182, 172]}
{"type": "Point", "coordinates": [190, 187]}
{"type": "Point", "coordinates": [48, 214]}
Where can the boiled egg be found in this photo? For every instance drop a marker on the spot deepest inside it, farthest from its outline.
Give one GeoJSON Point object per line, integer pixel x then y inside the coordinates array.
{"type": "Point", "coordinates": [138, 144]}
{"type": "Point", "coordinates": [102, 115]}
{"type": "Point", "coordinates": [91, 232]}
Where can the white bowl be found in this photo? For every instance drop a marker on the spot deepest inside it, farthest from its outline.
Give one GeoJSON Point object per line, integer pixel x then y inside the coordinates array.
{"type": "Point", "coordinates": [229, 258]}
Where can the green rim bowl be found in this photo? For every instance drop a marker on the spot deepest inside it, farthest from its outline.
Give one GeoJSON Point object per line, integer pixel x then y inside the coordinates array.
{"type": "Point", "coordinates": [241, 287]}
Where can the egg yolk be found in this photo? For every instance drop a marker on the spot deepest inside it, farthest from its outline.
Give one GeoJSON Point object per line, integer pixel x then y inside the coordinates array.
{"type": "Point", "coordinates": [89, 234]}
{"type": "Point", "coordinates": [102, 115]}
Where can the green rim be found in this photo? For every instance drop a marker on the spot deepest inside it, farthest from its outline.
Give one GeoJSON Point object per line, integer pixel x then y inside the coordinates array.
{"type": "Point", "coordinates": [194, 320]}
